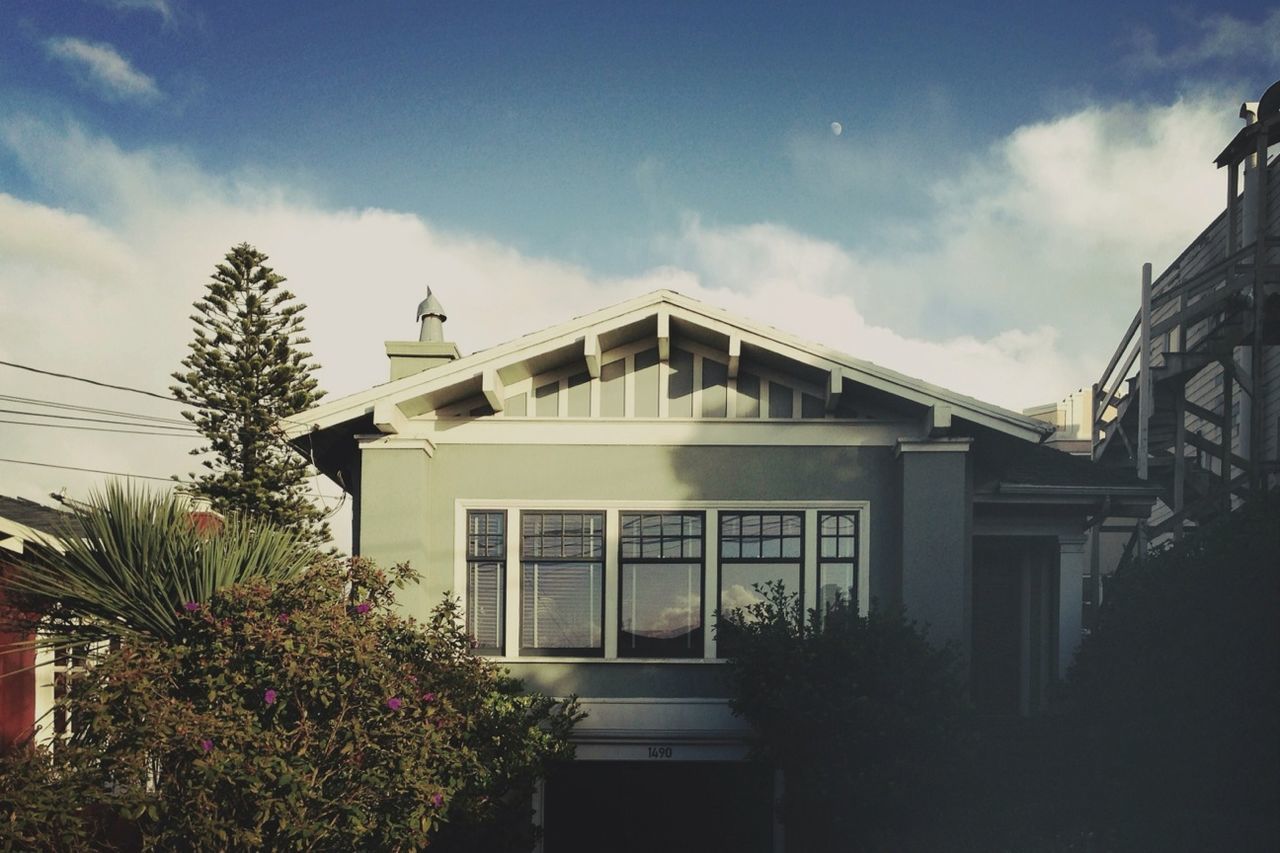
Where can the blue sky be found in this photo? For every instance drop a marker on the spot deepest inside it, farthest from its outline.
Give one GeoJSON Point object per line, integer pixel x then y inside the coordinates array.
{"type": "Point", "coordinates": [1001, 173]}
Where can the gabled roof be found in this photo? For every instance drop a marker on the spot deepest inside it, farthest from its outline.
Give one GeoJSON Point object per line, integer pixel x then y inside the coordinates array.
{"type": "Point", "coordinates": [654, 313]}
{"type": "Point", "coordinates": [23, 521]}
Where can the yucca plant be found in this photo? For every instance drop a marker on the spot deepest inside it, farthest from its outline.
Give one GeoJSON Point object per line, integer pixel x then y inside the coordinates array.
{"type": "Point", "coordinates": [133, 560]}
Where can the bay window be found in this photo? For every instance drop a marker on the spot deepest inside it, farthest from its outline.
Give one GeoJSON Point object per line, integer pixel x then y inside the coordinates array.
{"type": "Point", "coordinates": [757, 548]}
{"type": "Point", "coordinates": [837, 558]}
{"type": "Point", "coordinates": [486, 578]}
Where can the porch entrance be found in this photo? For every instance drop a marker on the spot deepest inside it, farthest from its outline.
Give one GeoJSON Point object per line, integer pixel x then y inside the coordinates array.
{"type": "Point", "coordinates": [670, 807]}
{"type": "Point", "coordinates": [1014, 622]}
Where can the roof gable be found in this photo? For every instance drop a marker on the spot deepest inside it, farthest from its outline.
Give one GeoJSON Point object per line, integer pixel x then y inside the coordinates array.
{"type": "Point", "coordinates": [478, 384]}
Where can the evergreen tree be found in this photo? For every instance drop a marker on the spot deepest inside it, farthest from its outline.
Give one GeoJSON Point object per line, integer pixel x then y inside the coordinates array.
{"type": "Point", "coordinates": [245, 373]}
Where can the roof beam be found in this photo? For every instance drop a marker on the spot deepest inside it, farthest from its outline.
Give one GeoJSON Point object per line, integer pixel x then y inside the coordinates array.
{"type": "Point", "coordinates": [11, 543]}
{"type": "Point", "coordinates": [735, 354]}
{"type": "Point", "coordinates": [388, 418]}
{"type": "Point", "coordinates": [938, 420]}
{"type": "Point", "coordinates": [835, 387]}
{"type": "Point", "coordinates": [591, 354]}
{"type": "Point", "coordinates": [664, 335]}
{"type": "Point", "coordinates": [493, 389]}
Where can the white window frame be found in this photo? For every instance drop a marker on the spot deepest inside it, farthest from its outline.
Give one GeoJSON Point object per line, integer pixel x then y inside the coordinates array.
{"type": "Point", "coordinates": [612, 510]}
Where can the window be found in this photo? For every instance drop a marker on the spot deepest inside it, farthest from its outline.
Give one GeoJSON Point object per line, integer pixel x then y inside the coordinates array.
{"type": "Point", "coordinates": [757, 548]}
{"type": "Point", "coordinates": [486, 578]}
{"type": "Point", "coordinates": [661, 584]}
{"type": "Point", "coordinates": [562, 583]}
{"type": "Point", "coordinates": [837, 558]}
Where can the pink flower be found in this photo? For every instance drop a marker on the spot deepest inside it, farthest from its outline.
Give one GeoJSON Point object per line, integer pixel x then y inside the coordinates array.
{"type": "Point", "coordinates": [394, 703]}
{"type": "Point", "coordinates": [437, 799]}
{"type": "Point", "coordinates": [269, 697]}
{"type": "Point", "coordinates": [428, 697]}
{"type": "Point", "coordinates": [363, 607]}
{"type": "Point", "coordinates": [206, 745]}
{"type": "Point", "coordinates": [282, 618]}
{"type": "Point", "coordinates": [191, 606]}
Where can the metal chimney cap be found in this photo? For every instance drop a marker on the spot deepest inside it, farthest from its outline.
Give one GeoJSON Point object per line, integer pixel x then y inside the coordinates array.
{"type": "Point", "coordinates": [431, 307]}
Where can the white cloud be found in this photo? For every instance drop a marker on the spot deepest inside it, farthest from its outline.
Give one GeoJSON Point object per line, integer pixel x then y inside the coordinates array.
{"type": "Point", "coordinates": [1216, 38]}
{"type": "Point", "coordinates": [104, 68]}
{"type": "Point", "coordinates": [1038, 244]}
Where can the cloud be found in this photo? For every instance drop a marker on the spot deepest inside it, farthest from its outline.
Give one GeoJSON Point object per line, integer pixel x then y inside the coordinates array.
{"type": "Point", "coordinates": [166, 9]}
{"type": "Point", "coordinates": [104, 68]}
{"type": "Point", "coordinates": [1217, 38]}
{"type": "Point", "coordinates": [1013, 291]}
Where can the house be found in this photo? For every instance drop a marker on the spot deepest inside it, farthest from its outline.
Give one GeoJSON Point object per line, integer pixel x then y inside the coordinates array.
{"type": "Point", "coordinates": [1190, 399]}
{"type": "Point", "coordinates": [595, 491]}
{"type": "Point", "coordinates": [25, 526]}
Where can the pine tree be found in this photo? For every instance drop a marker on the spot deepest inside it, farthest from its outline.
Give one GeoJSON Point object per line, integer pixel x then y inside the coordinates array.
{"type": "Point", "coordinates": [245, 373]}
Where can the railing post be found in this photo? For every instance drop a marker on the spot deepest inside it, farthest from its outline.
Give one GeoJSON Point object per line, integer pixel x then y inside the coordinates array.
{"type": "Point", "coordinates": [1145, 396]}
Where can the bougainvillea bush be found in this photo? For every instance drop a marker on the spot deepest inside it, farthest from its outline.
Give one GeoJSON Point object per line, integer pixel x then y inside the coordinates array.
{"type": "Point", "coordinates": [300, 715]}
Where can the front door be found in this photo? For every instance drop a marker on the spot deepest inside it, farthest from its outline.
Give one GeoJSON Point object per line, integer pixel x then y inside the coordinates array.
{"type": "Point", "coordinates": [658, 807]}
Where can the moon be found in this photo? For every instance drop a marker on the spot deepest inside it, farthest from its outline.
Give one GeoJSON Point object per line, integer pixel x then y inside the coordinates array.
{"type": "Point", "coordinates": [837, 128]}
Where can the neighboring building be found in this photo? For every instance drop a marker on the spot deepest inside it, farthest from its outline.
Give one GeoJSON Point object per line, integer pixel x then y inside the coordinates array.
{"type": "Point", "coordinates": [1190, 400]}
{"type": "Point", "coordinates": [594, 493]}
{"type": "Point", "coordinates": [25, 692]}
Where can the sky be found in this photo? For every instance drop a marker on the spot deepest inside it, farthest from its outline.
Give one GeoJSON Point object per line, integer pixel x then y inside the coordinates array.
{"type": "Point", "coordinates": [961, 192]}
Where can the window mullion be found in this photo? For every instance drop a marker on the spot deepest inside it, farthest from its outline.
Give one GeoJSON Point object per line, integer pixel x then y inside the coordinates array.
{"type": "Point", "coordinates": [513, 583]}
{"type": "Point", "coordinates": [612, 594]}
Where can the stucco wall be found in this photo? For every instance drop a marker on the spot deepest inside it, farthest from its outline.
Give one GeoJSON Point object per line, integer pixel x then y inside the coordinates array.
{"type": "Point", "coordinates": [408, 505]}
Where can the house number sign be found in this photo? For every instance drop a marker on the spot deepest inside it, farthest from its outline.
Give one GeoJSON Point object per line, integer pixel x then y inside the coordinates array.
{"type": "Point", "coordinates": [659, 752]}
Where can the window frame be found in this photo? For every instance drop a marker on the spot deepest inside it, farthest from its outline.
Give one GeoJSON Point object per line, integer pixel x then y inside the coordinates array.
{"type": "Point", "coordinates": [565, 651]}
{"type": "Point", "coordinates": [856, 599]}
{"type": "Point", "coordinates": [503, 571]}
{"type": "Point", "coordinates": [699, 650]}
{"type": "Point", "coordinates": [800, 513]}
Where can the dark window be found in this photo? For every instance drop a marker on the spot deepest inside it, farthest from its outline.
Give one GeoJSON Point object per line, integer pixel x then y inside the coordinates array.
{"type": "Point", "coordinates": [562, 587]}
{"type": "Point", "coordinates": [486, 578]}
{"type": "Point", "coordinates": [661, 584]}
{"type": "Point", "coordinates": [757, 548]}
{"type": "Point", "coordinates": [780, 401]}
{"type": "Point", "coordinates": [837, 558]}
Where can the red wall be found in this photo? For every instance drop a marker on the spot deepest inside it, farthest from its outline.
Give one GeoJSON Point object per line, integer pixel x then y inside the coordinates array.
{"type": "Point", "coordinates": [17, 687]}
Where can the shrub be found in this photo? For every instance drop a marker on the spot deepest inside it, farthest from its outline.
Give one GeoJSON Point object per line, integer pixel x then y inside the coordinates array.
{"type": "Point", "coordinates": [866, 719]}
{"type": "Point", "coordinates": [304, 715]}
{"type": "Point", "coordinates": [1178, 687]}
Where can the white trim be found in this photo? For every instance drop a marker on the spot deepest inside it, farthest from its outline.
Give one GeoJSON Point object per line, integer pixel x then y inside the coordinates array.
{"type": "Point", "coordinates": [935, 445]}
{"type": "Point", "coordinates": [25, 534]}
{"type": "Point", "coordinates": [397, 442]}
{"type": "Point", "coordinates": [809, 571]}
{"type": "Point", "coordinates": [429, 433]}
{"type": "Point", "coordinates": [611, 618]}
{"type": "Point", "coordinates": [710, 578]}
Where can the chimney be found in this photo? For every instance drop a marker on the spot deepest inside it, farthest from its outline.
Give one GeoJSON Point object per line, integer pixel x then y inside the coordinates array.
{"type": "Point", "coordinates": [430, 349]}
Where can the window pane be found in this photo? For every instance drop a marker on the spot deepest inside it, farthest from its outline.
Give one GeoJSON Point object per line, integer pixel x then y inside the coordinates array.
{"type": "Point", "coordinates": [738, 581]}
{"type": "Point", "coordinates": [661, 610]}
{"type": "Point", "coordinates": [484, 605]}
{"type": "Point", "coordinates": [561, 605]}
{"type": "Point", "coordinates": [748, 402]}
{"type": "Point", "coordinates": [580, 396]}
{"type": "Point", "coordinates": [836, 579]}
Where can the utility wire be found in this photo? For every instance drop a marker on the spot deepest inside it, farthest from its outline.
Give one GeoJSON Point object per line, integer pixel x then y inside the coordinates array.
{"type": "Point", "coordinates": [90, 381]}
{"type": "Point", "coordinates": [110, 385]}
{"type": "Point", "coordinates": [101, 429]}
{"type": "Point", "coordinates": [54, 404]}
{"type": "Point", "coordinates": [86, 470]}
{"type": "Point", "coordinates": [25, 413]}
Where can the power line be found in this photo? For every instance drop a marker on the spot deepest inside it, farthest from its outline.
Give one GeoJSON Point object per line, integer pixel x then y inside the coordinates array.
{"type": "Point", "coordinates": [89, 381]}
{"type": "Point", "coordinates": [54, 404]}
{"type": "Point", "coordinates": [85, 470]}
{"type": "Point", "coordinates": [24, 413]}
{"type": "Point", "coordinates": [101, 429]}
